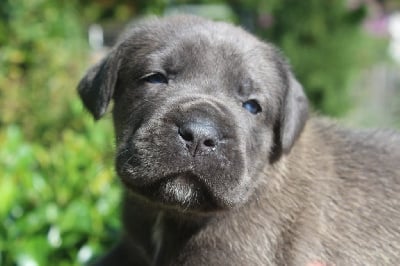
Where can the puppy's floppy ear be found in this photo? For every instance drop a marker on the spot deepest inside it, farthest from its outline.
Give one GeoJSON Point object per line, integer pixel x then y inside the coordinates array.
{"type": "Point", "coordinates": [294, 113]}
{"type": "Point", "coordinates": [96, 88]}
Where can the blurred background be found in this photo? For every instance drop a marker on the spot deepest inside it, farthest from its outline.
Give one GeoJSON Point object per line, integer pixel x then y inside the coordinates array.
{"type": "Point", "coordinates": [58, 192]}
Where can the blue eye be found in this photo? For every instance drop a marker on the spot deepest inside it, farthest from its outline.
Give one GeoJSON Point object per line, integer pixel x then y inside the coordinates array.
{"type": "Point", "coordinates": [252, 106]}
{"type": "Point", "coordinates": [155, 78]}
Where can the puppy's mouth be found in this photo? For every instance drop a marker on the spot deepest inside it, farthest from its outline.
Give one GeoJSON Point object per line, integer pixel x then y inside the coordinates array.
{"type": "Point", "coordinates": [182, 192]}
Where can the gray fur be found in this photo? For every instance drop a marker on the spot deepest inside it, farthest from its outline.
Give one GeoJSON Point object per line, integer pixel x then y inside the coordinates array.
{"type": "Point", "coordinates": [209, 183]}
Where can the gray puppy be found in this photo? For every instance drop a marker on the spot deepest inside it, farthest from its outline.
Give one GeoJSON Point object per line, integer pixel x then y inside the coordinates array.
{"type": "Point", "coordinates": [221, 164]}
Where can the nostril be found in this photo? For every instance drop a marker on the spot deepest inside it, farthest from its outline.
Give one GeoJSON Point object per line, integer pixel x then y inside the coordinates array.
{"type": "Point", "coordinates": [186, 134]}
{"type": "Point", "coordinates": [209, 143]}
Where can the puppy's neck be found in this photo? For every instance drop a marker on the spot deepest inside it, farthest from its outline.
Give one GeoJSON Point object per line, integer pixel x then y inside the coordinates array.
{"type": "Point", "coordinates": [161, 233]}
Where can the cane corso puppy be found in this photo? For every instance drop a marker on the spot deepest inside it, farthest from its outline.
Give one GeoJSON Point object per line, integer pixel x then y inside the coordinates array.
{"type": "Point", "coordinates": [221, 164]}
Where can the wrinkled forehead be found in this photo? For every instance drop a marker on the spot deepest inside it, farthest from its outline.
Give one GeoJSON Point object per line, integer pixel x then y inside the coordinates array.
{"type": "Point", "coordinates": [199, 54]}
{"type": "Point", "coordinates": [208, 48]}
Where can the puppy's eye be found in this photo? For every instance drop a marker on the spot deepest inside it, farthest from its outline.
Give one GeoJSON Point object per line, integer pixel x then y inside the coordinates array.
{"type": "Point", "coordinates": [252, 106]}
{"type": "Point", "coordinates": [155, 78]}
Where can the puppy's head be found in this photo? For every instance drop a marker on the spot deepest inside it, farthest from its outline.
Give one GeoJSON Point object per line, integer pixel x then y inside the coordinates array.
{"type": "Point", "coordinates": [200, 108]}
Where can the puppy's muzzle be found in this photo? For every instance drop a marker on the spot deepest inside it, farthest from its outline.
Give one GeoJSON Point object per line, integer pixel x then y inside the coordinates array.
{"type": "Point", "coordinates": [187, 157]}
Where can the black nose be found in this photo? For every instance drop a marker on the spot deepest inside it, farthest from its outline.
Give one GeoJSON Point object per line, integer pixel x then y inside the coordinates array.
{"type": "Point", "coordinates": [200, 136]}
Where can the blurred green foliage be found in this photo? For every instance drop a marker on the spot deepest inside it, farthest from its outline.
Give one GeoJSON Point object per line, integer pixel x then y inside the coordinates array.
{"type": "Point", "coordinates": [59, 198]}
{"type": "Point", "coordinates": [58, 191]}
{"type": "Point", "coordinates": [42, 47]}
{"type": "Point", "coordinates": [57, 201]}
{"type": "Point", "coordinates": [325, 45]}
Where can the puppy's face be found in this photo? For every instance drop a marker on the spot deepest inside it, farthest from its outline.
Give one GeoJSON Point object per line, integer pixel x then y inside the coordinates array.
{"type": "Point", "coordinates": [200, 108]}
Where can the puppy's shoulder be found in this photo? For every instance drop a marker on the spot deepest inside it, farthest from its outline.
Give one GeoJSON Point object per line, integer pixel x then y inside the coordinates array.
{"type": "Point", "coordinates": [333, 133]}
{"type": "Point", "coordinates": [366, 159]}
